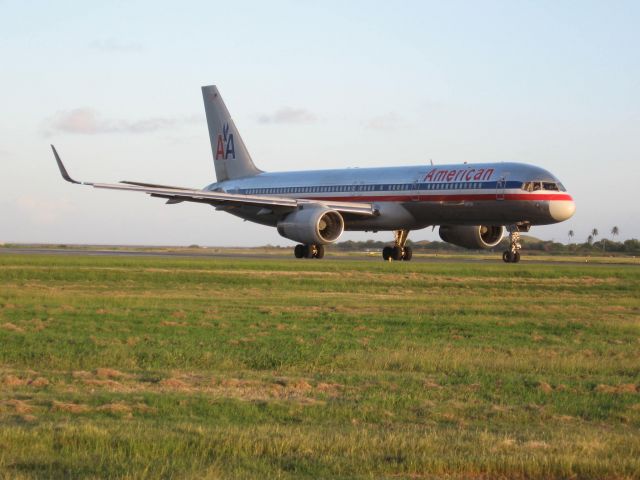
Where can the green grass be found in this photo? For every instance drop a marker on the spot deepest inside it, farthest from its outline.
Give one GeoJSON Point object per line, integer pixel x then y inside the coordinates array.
{"type": "Point", "coordinates": [276, 368]}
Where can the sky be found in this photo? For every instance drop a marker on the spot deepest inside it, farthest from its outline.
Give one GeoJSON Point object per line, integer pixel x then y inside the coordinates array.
{"type": "Point", "coordinates": [116, 87]}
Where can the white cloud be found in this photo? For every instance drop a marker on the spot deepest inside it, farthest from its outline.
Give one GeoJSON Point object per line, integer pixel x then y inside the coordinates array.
{"type": "Point", "coordinates": [87, 121]}
{"type": "Point", "coordinates": [388, 121]}
{"type": "Point", "coordinates": [289, 115]}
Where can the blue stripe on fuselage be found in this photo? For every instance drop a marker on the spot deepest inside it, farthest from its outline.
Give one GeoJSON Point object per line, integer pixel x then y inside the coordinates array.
{"type": "Point", "coordinates": [379, 188]}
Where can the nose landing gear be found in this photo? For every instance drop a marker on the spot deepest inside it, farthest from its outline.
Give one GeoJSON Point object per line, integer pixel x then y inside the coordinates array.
{"type": "Point", "coordinates": [399, 251]}
{"type": "Point", "coordinates": [308, 251]}
{"type": "Point", "coordinates": [513, 254]}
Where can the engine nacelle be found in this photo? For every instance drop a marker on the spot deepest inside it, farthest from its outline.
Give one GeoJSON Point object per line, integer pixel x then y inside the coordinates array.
{"type": "Point", "coordinates": [472, 236]}
{"type": "Point", "coordinates": [312, 226]}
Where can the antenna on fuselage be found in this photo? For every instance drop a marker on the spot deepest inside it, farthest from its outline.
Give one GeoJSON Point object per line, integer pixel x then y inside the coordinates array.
{"type": "Point", "coordinates": [431, 161]}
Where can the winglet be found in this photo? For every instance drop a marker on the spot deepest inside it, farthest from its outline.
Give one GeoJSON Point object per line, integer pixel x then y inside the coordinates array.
{"type": "Point", "coordinates": [63, 171]}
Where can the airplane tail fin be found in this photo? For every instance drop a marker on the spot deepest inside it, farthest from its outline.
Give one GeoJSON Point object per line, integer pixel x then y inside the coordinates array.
{"type": "Point", "coordinates": [230, 157]}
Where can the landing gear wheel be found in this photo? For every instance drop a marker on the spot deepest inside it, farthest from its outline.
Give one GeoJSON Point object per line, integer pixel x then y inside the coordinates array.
{"type": "Point", "coordinates": [398, 251]}
{"type": "Point", "coordinates": [298, 251]}
{"type": "Point", "coordinates": [308, 251]}
{"type": "Point", "coordinates": [319, 251]}
{"type": "Point", "coordinates": [513, 254]}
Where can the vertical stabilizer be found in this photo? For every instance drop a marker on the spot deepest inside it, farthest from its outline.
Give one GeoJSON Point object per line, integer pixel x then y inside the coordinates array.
{"type": "Point", "coordinates": [230, 157]}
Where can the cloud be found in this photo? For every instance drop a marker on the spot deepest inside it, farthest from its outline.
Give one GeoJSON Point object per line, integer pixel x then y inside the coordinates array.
{"type": "Point", "coordinates": [87, 121]}
{"type": "Point", "coordinates": [289, 115]}
{"type": "Point", "coordinates": [388, 121]}
{"type": "Point", "coordinates": [43, 211]}
{"type": "Point", "coordinates": [114, 45]}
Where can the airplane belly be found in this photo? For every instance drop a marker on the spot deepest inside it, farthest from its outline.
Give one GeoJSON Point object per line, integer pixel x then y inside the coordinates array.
{"type": "Point", "coordinates": [391, 216]}
{"type": "Point", "coordinates": [421, 214]}
{"type": "Point", "coordinates": [487, 212]}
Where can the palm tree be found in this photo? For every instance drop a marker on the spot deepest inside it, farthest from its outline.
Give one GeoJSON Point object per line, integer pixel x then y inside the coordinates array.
{"type": "Point", "coordinates": [594, 234]}
{"type": "Point", "coordinates": [614, 232]}
{"type": "Point", "coordinates": [571, 234]}
{"type": "Point", "coordinates": [590, 239]}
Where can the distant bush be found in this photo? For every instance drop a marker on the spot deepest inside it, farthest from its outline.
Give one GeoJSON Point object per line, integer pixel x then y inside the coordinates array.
{"type": "Point", "coordinates": [532, 244]}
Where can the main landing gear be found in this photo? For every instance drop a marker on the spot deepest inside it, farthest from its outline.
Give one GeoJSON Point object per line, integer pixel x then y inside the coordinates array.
{"type": "Point", "coordinates": [513, 254]}
{"type": "Point", "coordinates": [308, 251]}
{"type": "Point", "coordinates": [399, 251]}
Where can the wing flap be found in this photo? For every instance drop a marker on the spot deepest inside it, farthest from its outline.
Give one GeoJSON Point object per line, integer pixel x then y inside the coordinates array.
{"type": "Point", "coordinates": [177, 195]}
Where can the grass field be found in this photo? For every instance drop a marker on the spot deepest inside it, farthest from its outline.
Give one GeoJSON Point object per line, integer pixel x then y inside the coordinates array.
{"type": "Point", "coordinates": [275, 368]}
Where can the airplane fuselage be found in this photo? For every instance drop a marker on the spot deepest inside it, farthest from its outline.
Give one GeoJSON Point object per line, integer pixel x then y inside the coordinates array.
{"type": "Point", "coordinates": [415, 197]}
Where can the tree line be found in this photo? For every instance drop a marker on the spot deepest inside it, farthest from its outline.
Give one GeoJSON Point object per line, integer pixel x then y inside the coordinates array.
{"type": "Point", "coordinates": [529, 243]}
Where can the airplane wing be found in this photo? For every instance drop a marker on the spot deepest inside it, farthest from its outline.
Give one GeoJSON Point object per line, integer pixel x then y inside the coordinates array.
{"type": "Point", "coordinates": [220, 199]}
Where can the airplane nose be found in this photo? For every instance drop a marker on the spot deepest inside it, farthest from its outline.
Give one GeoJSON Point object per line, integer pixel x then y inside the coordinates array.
{"type": "Point", "coordinates": [561, 210]}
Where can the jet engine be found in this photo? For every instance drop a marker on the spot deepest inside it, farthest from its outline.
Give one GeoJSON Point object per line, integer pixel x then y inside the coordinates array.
{"type": "Point", "coordinates": [312, 226]}
{"type": "Point", "coordinates": [472, 236]}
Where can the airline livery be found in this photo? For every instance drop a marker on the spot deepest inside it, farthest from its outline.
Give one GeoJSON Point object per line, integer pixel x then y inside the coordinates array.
{"type": "Point", "coordinates": [471, 203]}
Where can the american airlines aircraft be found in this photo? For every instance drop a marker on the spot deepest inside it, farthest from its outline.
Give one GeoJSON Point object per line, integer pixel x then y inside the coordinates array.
{"type": "Point", "coordinates": [472, 203]}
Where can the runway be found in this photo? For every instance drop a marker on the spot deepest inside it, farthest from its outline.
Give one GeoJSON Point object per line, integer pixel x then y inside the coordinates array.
{"type": "Point", "coordinates": [231, 253]}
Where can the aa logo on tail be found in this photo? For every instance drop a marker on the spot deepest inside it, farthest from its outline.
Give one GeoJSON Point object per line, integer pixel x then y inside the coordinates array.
{"type": "Point", "coordinates": [225, 149]}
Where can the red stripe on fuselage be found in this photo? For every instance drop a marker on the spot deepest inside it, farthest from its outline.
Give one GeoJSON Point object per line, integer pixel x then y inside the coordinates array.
{"type": "Point", "coordinates": [449, 198]}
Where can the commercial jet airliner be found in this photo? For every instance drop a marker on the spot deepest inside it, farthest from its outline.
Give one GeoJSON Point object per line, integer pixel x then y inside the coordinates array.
{"type": "Point", "coordinates": [471, 203]}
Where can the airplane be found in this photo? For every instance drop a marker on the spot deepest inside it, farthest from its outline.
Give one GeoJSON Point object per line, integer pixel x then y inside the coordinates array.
{"type": "Point", "coordinates": [472, 204]}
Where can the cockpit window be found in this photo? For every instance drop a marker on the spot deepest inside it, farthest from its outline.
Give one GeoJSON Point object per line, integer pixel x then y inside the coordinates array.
{"type": "Point", "coordinates": [549, 186]}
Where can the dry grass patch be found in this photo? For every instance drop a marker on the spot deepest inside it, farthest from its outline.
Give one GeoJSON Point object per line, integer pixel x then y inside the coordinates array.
{"type": "Point", "coordinates": [168, 323]}
{"type": "Point", "coordinates": [330, 389]}
{"type": "Point", "coordinates": [13, 381]}
{"type": "Point", "coordinates": [536, 445]}
{"type": "Point", "coordinates": [115, 408]}
{"type": "Point", "coordinates": [624, 388]}
{"type": "Point", "coordinates": [12, 327]}
{"type": "Point", "coordinates": [144, 408]}
{"type": "Point", "coordinates": [70, 407]}
{"type": "Point", "coordinates": [430, 384]}
{"type": "Point", "coordinates": [505, 444]}
{"type": "Point", "coordinates": [298, 390]}
{"type": "Point", "coordinates": [19, 406]}
{"type": "Point", "coordinates": [39, 382]}
{"type": "Point", "coordinates": [545, 387]}
{"type": "Point", "coordinates": [107, 384]}
{"type": "Point", "coordinates": [108, 373]}
{"type": "Point", "coordinates": [174, 384]}
{"type": "Point", "coordinates": [565, 418]}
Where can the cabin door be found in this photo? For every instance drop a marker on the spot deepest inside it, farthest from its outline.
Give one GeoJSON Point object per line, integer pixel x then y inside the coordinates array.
{"type": "Point", "coordinates": [414, 190]}
{"type": "Point", "coordinates": [501, 186]}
